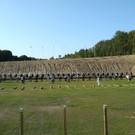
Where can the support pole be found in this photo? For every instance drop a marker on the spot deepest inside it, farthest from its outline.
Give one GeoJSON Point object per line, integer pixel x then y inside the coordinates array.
{"type": "Point", "coordinates": [65, 124]}
{"type": "Point", "coordinates": [21, 121]}
{"type": "Point", "coordinates": [105, 120]}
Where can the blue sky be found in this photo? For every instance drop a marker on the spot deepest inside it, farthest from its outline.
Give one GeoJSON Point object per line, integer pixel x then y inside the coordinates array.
{"type": "Point", "coordinates": [58, 27]}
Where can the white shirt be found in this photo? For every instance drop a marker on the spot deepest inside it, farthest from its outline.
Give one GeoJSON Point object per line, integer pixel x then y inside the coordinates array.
{"type": "Point", "coordinates": [22, 78]}
{"type": "Point", "coordinates": [98, 79]}
{"type": "Point", "coordinates": [127, 76]}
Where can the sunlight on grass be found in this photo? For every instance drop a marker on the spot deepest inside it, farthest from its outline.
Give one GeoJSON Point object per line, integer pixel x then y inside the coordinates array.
{"type": "Point", "coordinates": [43, 107]}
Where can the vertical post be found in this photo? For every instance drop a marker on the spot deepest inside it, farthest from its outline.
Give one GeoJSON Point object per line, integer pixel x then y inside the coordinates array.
{"type": "Point", "coordinates": [65, 124]}
{"type": "Point", "coordinates": [105, 120]}
{"type": "Point", "coordinates": [21, 121]}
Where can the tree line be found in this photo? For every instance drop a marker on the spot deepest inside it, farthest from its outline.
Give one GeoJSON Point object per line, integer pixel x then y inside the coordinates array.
{"type": "Point", "coordinates": [122, 43]}
{"type": "Point", "coordinates": [6, 55]}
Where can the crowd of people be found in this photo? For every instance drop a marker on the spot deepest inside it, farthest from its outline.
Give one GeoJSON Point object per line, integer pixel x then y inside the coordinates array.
{"type": "Point", "coordinates": [67, 77]}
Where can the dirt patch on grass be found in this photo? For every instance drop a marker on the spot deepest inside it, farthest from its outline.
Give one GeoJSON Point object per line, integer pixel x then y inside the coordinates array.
{"type": "Point", "coordinates": [130, 117]}
{"type": "Point", "coordinates": [49, 109]}
{"type": "Point", "coordinates": [5, 114]}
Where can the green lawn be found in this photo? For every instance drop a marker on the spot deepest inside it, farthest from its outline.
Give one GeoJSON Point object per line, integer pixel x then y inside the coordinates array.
{"type": "Point", "coordinates": [43, 108]}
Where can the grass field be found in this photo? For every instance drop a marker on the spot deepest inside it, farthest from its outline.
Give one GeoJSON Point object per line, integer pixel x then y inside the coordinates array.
{"type": "Point", "coordinates": [43, 108]}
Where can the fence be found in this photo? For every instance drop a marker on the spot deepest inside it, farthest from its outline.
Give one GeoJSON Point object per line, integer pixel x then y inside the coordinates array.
{"type": "Point", "coordinates": [65, 122]}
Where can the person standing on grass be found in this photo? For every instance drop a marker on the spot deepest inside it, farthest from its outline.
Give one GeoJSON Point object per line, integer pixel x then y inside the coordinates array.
{"type": "Point", "coordinates": [10, 76]}
{"type": "Point", "coordinates": [26, 75]}
{"type": "Point", "coordinates": [98, 80]}
{"type": "Point", "coordinates": [72, 76]}
{"type": "Point", "coordinates": [103, 73]}
{"type": "Point", "coordinates": [42, 76]}
{"type": "Point", "coordinates": [36, 77]}
{"type": "Point", "coordinates": [121, 75]}
{"type": "Point", "coordinates": [115, 76]}
{"type": "Point", "coordinates": [68, 77]}
{"type": "Point", "coordinates": [21, 75]}
{"type": "Point", "coordinates": [77, 77]}
{"type": "Point", "coordinates": [128, 77]}
{"type": "Point", "coordinates": [60, 77]}
{"type": "Point", "coordinates": [131, 74]}
{"type": "Point", "coordinates": [5, 77]}
{"type": "Point", "coordinates": [83, 76]}
{"type": "Point", "coordinates": [112, 73]}
{"type": "Point", "coordinates": [53, 78]}
{"type": "Point", "coordinates": [17, 77]}
{"type": "Point", "coordinates": [65, 78]}
{"type": "Point", "coordinates": [93, 74]}
{"type": "Point", "coordinates": [63, 74]}
{"type": "Point", "coordinates": [106, 75]}
{"type": "Point", "coordinates": [22, 79]}
{"type": "Point", "coordinates": [58, 74]}
{"type": "Point", "coordinates": [89, 75]}
{"type": "Point", "coordinates": [48, 77]}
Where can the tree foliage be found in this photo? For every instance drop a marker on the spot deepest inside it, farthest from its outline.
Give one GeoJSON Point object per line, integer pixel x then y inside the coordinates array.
{"type": "Point", "coordinates": [122, 43]}
{"type": "Point", "coordinates": [6, 55]}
